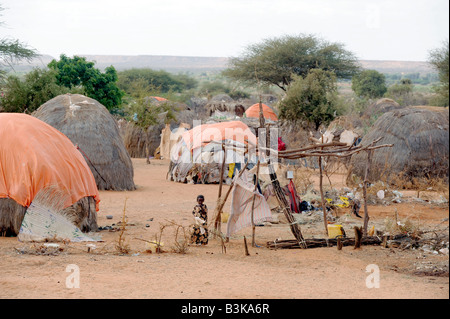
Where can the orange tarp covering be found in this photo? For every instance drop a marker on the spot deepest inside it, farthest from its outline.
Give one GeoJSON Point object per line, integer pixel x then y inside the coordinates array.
{"type": "Point", "coordinates": [34, 155]}
{"type": "Point", "coordinates": [205, 133]}
{"type": "Point", "coordinates": [253, 111]}
{"type": "Point", "coordinates": [159, 98]}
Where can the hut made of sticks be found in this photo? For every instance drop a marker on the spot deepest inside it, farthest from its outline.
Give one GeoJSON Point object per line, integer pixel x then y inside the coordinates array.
{"type": "Point", "coordinates": [421, 146]}
{"type": "Point", "coordinates": [90, 126]}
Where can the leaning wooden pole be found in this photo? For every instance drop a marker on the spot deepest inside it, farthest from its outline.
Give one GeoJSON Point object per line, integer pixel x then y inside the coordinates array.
{"type": "Point", "coordinates": [219, 196]}
{"type": "Point", "coordinates": [286, 208]}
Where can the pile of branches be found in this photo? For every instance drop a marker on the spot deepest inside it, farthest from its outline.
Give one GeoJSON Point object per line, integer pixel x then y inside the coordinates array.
{"type": "Point", "coordinates": [433, 240]}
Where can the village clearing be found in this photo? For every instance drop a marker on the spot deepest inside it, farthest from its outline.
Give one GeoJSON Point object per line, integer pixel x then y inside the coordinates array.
{"type": "Point", "coordinates": [123, 266]}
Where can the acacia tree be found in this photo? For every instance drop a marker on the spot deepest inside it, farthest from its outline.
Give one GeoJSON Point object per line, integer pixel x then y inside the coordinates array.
{"type": "Point", "coordinates": [438, 58]}
{"type": "Point", "coordinates": [274, 61]}
{"type": "Point", "coordinates": [369, 84]}
{"type": "Point", "coordinates": [13, 51]}
{"type": "Point", "coordinates": [312, 98]}
{"type": "Point", "coordinates": [77, 72]}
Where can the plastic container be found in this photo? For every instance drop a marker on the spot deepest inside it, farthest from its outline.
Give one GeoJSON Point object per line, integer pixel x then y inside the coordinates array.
{"type": "Point", "coordinates": [225, 217]}
{"type": "Point", "coordinates": [335, 231]}
{"type": "Point", "coordinates": [153, 247]}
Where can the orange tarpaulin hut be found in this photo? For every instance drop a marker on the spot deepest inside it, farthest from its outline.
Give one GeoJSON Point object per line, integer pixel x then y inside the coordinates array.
{"type": "Point", "coordinates": [253, 111]}
{"type": "Point", "coordinates": [34, 155]}
{"type": "Point", "coordinates": [205, 133]}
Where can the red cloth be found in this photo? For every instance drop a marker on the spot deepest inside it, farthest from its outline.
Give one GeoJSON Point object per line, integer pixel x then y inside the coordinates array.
{"type": "Point", "coordinates": [294, 197]}
{"type": "Point", "coordinates": [281, 145]}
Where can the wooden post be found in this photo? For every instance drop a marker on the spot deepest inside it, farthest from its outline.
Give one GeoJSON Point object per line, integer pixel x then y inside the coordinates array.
{"type": "Point", "coordinates": [366, 181]}
{"type": "Point", "coordinates": [246, 247]}
{"type": "Point", "coordinates": [324, 209]}
{"type": "Point", "coordinates": [253, 203]}
{"type": "Point", "coordinates": [322, 196]}
{"type": "Point", "coordinates": [358, 237]}
{"type": "Point", "coordinates": [222, 168]}
{"type": "Point", "coordinates": [218, 224]}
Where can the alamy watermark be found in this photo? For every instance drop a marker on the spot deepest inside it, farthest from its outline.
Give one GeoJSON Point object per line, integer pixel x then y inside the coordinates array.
{"type": "Point", "coordinates": [73, 280]}
{"type": "Point", "coordinates": [373, 280]}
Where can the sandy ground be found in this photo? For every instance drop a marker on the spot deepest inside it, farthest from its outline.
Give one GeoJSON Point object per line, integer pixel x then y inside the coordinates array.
{"type": "Point", "coordinates": [209, 272]}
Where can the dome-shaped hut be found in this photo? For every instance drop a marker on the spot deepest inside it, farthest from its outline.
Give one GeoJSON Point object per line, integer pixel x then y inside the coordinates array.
{"type": "Point", "coordinates": [35, 156]}
{"type": "Point", "coordinates": [421, 145]}
{"type": "Point", "coordinates": [90, 126]}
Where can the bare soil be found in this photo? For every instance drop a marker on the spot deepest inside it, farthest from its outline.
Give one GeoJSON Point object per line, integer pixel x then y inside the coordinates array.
{"type": "Point", "coordinates": [210, 272]}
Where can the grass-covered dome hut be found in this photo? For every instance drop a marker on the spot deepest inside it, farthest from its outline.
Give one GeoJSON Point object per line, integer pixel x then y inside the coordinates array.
{"type": "Point", "coordinates": [421, 145]}
{"type": "Point", "coordinates": [90, 126]}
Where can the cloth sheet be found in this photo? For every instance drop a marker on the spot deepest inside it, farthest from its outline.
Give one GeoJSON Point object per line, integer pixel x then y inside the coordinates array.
{"type": "Point", "coordinates": [241, 207]}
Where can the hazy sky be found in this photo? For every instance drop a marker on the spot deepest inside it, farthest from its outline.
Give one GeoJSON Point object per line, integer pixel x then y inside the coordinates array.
{"type": "Point", "coordinates": [374, 30]}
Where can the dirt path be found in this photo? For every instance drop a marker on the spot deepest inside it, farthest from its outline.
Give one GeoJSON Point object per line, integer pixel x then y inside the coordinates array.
{"type": "Point", "coordinates": [207, 272]}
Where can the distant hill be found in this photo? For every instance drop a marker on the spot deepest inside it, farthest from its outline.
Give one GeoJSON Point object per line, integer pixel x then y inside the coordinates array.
{"type": "Point", "coordinates": [203, 64]}
{"type": "Point", "coordinates": [398, 66]}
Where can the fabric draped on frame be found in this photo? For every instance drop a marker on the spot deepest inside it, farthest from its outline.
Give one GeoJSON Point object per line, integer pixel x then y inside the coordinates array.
{"type": "Point", "coordinates": [241, 207]}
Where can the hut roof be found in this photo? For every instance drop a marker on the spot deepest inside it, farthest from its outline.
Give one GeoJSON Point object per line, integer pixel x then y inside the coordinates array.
{"type": "Point", "coordinates": [380, 107]}
{"type": "Point", "coordinates": [34, 155]}
{"type": "Point", "coordinates": [421, 145]}
{"type": "Point", "coordinates": [90, 126]}
{"type": "Point", "coordinates": [253, 111]}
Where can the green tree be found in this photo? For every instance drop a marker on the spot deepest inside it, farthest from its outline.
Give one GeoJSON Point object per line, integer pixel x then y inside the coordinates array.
{"type": "Point", "coordinates": [400, 91]}
{"type": "Point", "coordinates": [28, 94]}
{"type": "Point", "coordinates": [162, 80]}
{"type": "Point", "coordinates": [12, 51]}
{"type": "Point", "coordinates": [77, 72]}
{"type": "Point", "coordinates": [312, 98]}
{"type": "Point", "coordinates": [143, 111]}
{"type": "Point", "coordinates": [274, 61]}
{"type": "Point", "coordinates": [369, 84]}
{"type": "Point", "coordinates": [438, 58]}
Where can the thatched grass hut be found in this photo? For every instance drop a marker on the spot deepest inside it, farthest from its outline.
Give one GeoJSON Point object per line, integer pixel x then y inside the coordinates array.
{"type": "Point", "coordinates": [381, 106]}
{"type": "Point", "coordinates": [90, 126]}
{"type": "Point", "coordinates": [34, 156]}
{"type": "Point", "coordinates": [421, 146]}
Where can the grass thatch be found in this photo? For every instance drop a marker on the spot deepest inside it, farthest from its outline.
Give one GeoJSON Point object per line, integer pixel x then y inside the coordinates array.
{"type": "Point", "coordinates": [380, 107]}
{"type": "Point", "coordinates": [82, 213]}
{"type": "Point", "coordinates": [421, 146]}
{"type": "Point", "coordinates": [88, 124]}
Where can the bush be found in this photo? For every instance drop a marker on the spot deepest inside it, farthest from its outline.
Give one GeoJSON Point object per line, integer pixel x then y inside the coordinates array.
{"type": "Point", "coordinates": [313, 98]}
{"type": "Point", "coordinates": [27, 95]}
{"type": "Point", "coordinates": [369, 84]}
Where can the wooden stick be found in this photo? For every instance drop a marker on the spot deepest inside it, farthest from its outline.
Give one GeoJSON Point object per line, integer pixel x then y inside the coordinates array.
{"type": "Point", "coordinates": [324, 209]}
{"type": "Point", "coordinates": [340, 154]}
{"type": "Point", "coordinates": [253, 204]}
{"type": "Point", "coordinates": [222, 168]}
{"type": "Point", "coordinates": [312, 147]}
{"type": "Point", "coordinates": [358, 237]}
{"type": "Point", "coordinates": [366, 181]}
{"type": "Point", "coordinates": [246, 248]}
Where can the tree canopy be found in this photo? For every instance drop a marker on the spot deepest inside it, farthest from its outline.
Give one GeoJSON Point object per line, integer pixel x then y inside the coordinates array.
{"type": "Point", "coordinates": [76, 71]}
{"type": "Point", "coordinates": [369, 84]}
{"type": "Point", "coordinates": [274, 61]}
{"type": "Point", "coordinates": [438, 58]}
{"type": "Point", "coordinates": [12, 51]}
{"type": "Point", "coordinates": [159, 80]}
{"type": "Point", "coordinates": [312, 98]}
